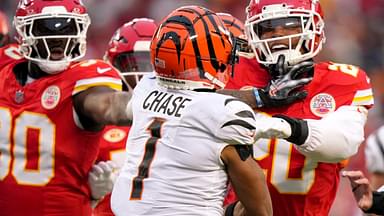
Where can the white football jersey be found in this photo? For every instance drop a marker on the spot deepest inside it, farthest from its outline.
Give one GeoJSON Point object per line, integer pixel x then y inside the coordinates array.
{"type": "Point", "coordinates": [173, 164]}
{"type": "Point", "coordinates": [374, 151]}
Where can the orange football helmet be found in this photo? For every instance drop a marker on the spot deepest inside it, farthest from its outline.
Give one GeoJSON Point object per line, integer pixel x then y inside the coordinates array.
{"type": "Point", "coordinates": [234, 25]}
{"type": "Point", "coordinates": [192, 49]}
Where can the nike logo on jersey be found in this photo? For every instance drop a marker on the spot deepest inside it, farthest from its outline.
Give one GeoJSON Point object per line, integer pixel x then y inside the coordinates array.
{"type": "Point", "coordinates": [103, 70]}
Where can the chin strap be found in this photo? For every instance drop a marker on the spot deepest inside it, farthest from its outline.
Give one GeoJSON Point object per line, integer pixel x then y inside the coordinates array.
{"type": "Point", "coordinates": [51, 67]}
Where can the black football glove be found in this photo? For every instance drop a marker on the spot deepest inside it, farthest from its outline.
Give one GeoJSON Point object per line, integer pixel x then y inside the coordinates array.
{"type": "Point", "coordinates": [299, 129]}
{"type": "Point", "coordinates": [280, 90]}
{"type": "Point", "coordinates": [281, 68]}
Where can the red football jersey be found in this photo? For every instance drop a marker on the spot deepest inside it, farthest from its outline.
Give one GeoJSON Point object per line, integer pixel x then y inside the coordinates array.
{"type": "Point", "coordinates": [9, 53]}
{"type": "Point", "coordinates": [45, 156]}
{"type": "Point", "coordinates": [112, 147]}
{"type": "Point", "coordinates": [297, 184]}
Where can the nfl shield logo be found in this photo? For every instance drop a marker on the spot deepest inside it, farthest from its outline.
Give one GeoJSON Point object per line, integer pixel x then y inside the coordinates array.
{"type": "Point", "coordinates": [19, 96]}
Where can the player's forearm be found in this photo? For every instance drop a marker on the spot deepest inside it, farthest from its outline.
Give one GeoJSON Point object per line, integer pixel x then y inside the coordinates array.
{"type": "Point", "coordinates": [248, 181]}
{"type": "Point", "coordinates": [105, 106]}
{"type": "Point", "coordinates": [116, 110]}
{"type": "Point", "coordinates": [246, 96]}
{"type": "Point", "coordinates": [337, 136]}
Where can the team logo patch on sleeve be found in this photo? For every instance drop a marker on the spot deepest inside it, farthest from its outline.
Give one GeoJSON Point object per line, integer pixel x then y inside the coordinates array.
{"type": "Point", "coordinates": [50, 97]}
{"type": "Point", "coordinates": [114, 135]}
{"type": "Point", "coordinates": [322, 104]}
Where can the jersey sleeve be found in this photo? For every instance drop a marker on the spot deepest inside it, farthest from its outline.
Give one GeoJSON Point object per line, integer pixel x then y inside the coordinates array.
{"type": "Point", "coordinates": [8, 54]}
{"type": "Point", "coordinates": [237, 123]}
{"type": "Point", "coordinates": [348, 83]}
{"type": "Point", "coordinates": [364, 94]}
{"type": "Point", "coordinates": [93, 73]}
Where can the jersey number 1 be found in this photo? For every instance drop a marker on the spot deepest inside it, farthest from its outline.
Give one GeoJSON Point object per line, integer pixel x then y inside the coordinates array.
{"type": "Point", "coordinates": [150, 148]}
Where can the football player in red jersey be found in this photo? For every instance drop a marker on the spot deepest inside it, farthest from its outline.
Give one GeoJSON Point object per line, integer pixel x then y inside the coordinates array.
{"type": "Point", "coordinates": [52, 111]}
{"type": "Point", "coordinates": [4, 29]}
{"type": "Point", "coordinates": [128, 52]}
{"type": "Point", "coordinates": [283, 80]}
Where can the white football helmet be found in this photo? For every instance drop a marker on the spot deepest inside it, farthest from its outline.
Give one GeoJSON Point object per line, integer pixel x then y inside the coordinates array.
{"type": "Point", "coordinates": [52, 33]}
{"type": "Point", "coordinates": [267, 15]}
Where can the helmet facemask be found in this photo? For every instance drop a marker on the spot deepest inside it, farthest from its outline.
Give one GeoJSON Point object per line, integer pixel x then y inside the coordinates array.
{"type": "Point", "coordinates": [53, 40]}
{"type": "Point", "coordinates": [129, 50]}
{"type": "Point", "coordinates": [133, 65]}
{"type": "Point", "coordinates": [296, 46]}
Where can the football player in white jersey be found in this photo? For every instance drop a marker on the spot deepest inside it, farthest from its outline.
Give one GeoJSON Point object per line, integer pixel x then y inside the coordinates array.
{"type": "Point", "coordinates": [186, 141]}
{"type": "Point", "coordinates": [374, 157]}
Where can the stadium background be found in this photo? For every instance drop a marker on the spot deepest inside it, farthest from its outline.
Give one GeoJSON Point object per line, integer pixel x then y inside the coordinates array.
{"type": "Point", "coordinates": [354, 31]}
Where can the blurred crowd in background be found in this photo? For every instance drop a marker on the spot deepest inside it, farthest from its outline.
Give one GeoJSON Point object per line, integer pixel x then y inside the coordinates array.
{"type": "Point", "coordinates": [354, 31]}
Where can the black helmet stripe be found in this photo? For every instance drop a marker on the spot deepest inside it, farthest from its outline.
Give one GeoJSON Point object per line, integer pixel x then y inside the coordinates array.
{"type": "Point", "coordinates": [211, 48]}
{"type": "Point", "coordinates": [211, 19]}
{"type": "Point", "coordinates": [184, 21]}
{"type": "Point", "coordinates": [232, 23]}
{"type": "Point", "coordinates": [176, 40]}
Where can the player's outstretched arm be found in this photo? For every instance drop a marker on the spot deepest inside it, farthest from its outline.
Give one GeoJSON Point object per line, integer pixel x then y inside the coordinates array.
{"type": "Point", "coordinates": [334, 138]}
{"type": "Point", "coordinates": [248, 181]}
{"type": "Point", "coordinates": [99, 106]}
{"type": "Point", "coordinates": [281, 90]}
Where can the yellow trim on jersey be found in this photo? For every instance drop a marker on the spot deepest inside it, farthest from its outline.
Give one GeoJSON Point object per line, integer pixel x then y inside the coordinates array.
{"type": "Point", "coordinates": [81, 88]}
{"type": "Point", "coordinates": [365, 100]}
{"type": "Point", "coordinates": [84, 84]}
{"type": "Point", "coordinates": [363, 97]}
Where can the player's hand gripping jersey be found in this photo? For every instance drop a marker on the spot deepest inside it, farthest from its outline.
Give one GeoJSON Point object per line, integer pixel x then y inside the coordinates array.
{"type": "Point", "coordinates": [45, 155]}
{"type": "Point", "coordinates": [112, 148]}
{"type": "Point", "coordinates": [191, 128]}
{"type": "Point", "coordinates": [301, 185]}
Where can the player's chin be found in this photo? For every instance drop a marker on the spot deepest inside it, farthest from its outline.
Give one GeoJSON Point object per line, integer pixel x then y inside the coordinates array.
{"type": "Point", "coordinates": [56, 56]}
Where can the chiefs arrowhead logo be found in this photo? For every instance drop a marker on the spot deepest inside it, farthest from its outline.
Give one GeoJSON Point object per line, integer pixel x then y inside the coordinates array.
{"type": "Point", "coordinates": [50, 97]}
{"type": "Point", "coordinates": [322, 104]}
{"type": "Point", "coordinates": [114, 135]}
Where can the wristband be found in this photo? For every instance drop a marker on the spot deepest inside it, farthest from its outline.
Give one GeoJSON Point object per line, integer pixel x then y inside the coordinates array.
{"type": "Point", "coordinates": [377, 203]}
{"type": "Point", "coordinates": [259, 102]}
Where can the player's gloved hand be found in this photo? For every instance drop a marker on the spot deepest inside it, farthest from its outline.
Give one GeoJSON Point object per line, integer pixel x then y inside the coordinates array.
{"type": "Point", "coordinates": [299, 129]}
{"type": "Point", "coordinates": [280, 90]}
{"type": "Point", "coordinates": [101, 178]}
